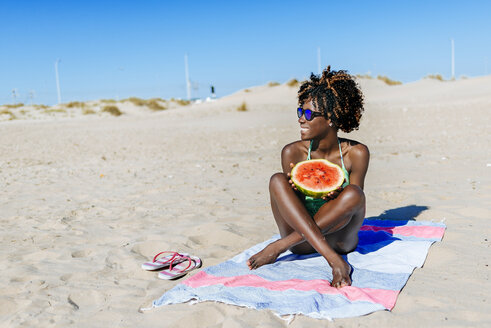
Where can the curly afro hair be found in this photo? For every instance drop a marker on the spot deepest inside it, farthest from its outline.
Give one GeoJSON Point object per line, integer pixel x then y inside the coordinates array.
{"type": "Point", "coordinates": [337, 95]}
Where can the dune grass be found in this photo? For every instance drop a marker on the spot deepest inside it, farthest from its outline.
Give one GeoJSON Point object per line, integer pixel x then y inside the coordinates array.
{"type": "Point", "coordinates": [181, 102]}
{"type": "Point", "coordinates": [136, 101]}
{"type": "Point", "coordinates": [292, 83]}
{"type": "Point", "coordinates": [273, 84]}
{"type": "Point", "coordinates": [75, 104]}
{"type": "Point", "coordinates": [158, 99]}
{"type": "Point", "coordinates": [155, 105]}
{"type": "Point", "coordinates": [247, 90]}
{"type": "Point", "coordinates": [7, 112]}
{"type": "Point", "coordinates": [88, 111]}
{"type": "Point", "coordinates": [387, 80]}
{"type": "Point", "coordinates": [14, 105]}
{"type": "Point", "coordinates": [243, 107]}
{"type": "Point", "coordinates": [364, 76]}
{"type": "Point", "coordinates": [382, 78]}
{"type": "Point", "coordinates": [435, 77]}
{"type": "Point", "coordinates": [111, 109]}
{"type": "Point", "coordinates": [108, 101]}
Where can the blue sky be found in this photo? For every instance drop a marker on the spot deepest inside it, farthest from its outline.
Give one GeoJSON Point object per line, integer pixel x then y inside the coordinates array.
{"type": "Point", "coordinates": [117, 49]}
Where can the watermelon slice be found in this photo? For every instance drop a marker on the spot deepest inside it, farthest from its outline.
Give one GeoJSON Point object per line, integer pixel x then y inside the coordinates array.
{"type": "Point", "coordinates": [317, 177]}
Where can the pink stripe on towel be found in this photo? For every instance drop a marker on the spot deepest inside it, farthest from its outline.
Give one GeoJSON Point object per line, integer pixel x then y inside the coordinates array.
{"type": "Point", "coordinates": [387, 298]}
{"type": "Point", "coordinates": [415, 231]}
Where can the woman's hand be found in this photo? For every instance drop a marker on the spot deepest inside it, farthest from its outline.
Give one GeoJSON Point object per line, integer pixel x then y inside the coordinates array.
{"type": "Point", "coordinates": [335, 193]}
{"type": "Point", "coordinates": [289, 174]}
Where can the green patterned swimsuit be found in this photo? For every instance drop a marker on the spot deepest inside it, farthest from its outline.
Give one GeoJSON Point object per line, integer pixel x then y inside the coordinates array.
{"type": "Point", "coordinates": [314, 204]}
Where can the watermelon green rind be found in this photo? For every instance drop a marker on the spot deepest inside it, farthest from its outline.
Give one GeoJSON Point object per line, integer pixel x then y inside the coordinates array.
{"type": "Point", "coordinates": [314, 193]}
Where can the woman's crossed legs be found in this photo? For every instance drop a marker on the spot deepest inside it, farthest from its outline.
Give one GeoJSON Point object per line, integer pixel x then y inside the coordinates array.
{"type": "Point", "coordinates": [332, 231]}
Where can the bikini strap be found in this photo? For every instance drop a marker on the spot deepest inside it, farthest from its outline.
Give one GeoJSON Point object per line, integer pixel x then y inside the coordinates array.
{"type": "Point", "coordinates": [341, 153]}
{"type": "Point", "coordinates": [310, 148]}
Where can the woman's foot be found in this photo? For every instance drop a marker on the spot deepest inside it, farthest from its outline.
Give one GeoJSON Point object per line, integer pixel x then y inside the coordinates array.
{"type": "Point", "coordinates": [268, 255]}
{"type": "Point", "coordinates": [341, 274]}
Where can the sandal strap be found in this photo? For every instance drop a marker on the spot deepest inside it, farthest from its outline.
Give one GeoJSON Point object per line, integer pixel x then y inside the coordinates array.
{"type": "Point", "coordinates": [174, 254]}
{"type": "Point", "coordinates": [186, 258]}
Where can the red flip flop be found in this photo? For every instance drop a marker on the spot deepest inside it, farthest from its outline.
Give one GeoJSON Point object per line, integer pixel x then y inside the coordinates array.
{"type": "Point", "coordinates": [165, 261]}
{"type": "Point", "coordinates": [180, 269]}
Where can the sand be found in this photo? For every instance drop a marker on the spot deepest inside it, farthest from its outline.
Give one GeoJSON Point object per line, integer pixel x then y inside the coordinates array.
{"type": "Point", "coordinates": [86, 199]}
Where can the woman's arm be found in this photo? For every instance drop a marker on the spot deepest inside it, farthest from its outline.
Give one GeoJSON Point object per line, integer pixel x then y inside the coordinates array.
{"type": "Point", "coordinates": [291, 154]}
{"type": "Point", "coordinates": [359, 156]}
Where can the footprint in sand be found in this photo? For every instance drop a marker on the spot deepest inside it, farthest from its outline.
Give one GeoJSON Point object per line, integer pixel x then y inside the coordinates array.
{"type": "Point", "coordinates": [19, 279]}
{"type": "Point", "coordinates": [86, 300]}
{"type": "Point", "coordinates": [76, 277]}
{"type": "Point", "coordinates": [149, 248]}
{"type": "Point", "coordinates": [121, 260]}
{"type": "Point", "coordinates": [66, 277]}
{"type": "Point", "coordinates": [81, 253]}
{"type": "Point", "coordinates": [219, 237]}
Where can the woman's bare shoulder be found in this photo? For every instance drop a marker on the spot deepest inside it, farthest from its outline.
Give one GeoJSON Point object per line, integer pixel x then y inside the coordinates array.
{"type": "Point", "coordinates": [293, 153]}
{"type": "Point", "coordinates": [356, 150]}
{"type": "Point", "coordinates": [294, 150]}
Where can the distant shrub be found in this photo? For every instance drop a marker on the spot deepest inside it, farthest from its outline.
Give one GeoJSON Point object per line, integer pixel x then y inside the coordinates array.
{"type": "Point", "coordinates": [364, 76]}
{"type": "Point", "coordinates": [136, 101]}
{"type": "Point", "coordinates": [157, 99]}
{"type": "Point", "coordinates": [292, 83]}
{"type": "Point", "coordinates": [242, 107]}
{"type": "Point", "coordinates": [154, 104]}
{"type": "Point", "coordinates": [182, 102]}
{"type": "Point", "coordinates": [40, 106]}
{"type": "Point", "coordinates": [247, 90]}
{"type": "Point", "coordinates": [75, 104]}
{"type": "Point", "coordinates": [108, 101]}
{"type": "Point", "coordinates": [111, 109]}
{"type": "Point", "coordinates": [14, 105]}
{"type": "Point", "coordinates": [435, 77]}
{"type": "Point", "coordinates": [273, 84]}
{"type": "Point", "coordinates": [7, 112]}
{"type": "Point", "coordinates": [88, 111]}
{"type": "Point", "coordinates": [387, 80]}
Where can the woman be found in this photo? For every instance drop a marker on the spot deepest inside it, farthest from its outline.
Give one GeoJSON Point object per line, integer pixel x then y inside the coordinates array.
{"type": "Point", "coordinates": [328, 103]}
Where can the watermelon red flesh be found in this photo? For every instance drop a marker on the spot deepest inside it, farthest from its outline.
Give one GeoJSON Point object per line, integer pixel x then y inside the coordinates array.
{"type": "Point", "coordinates": [317, 178]}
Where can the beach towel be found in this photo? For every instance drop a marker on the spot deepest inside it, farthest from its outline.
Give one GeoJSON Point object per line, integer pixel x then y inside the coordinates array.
{"type": "Point", "coordinates": [387, 253]}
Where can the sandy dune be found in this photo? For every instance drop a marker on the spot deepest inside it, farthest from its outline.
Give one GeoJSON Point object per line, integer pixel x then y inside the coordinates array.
{"type": "Point", "coordinates": [86, 200]}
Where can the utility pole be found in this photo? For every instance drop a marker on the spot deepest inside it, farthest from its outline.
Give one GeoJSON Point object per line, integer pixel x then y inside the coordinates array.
{"type": "Point", "coordinates": [14, 95]}
{"type": "Point", "coordinates": [188, 82]}
{"type": "Point", "coordinates": [58, 80]}
{"type": "Point", "coordinates": [319, 60]}
{"type": "Point", "coordinates": [31, 96]}
{"type": "Point", "coordinates": [453, 61]}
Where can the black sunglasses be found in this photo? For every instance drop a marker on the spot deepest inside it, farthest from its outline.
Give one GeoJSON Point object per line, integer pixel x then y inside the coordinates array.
{"type": "Point", "coordinates": [309, 114]}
